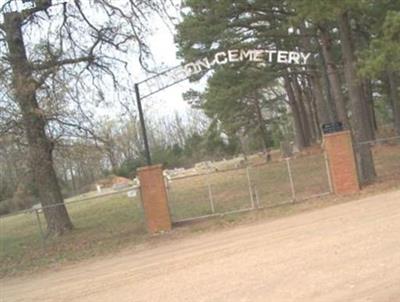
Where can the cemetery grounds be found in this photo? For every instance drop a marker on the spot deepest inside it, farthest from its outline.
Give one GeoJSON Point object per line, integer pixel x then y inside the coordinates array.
{"type": "Point", "coordinates": [234, 195]}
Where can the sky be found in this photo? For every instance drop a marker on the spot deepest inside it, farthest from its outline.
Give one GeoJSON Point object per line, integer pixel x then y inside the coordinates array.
{"type": "Point", "coordinates": [164, 52]}
{"type": "Point", "coordinates": [163, 49]}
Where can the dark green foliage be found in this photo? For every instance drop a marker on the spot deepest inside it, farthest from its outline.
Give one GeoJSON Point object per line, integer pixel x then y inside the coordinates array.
{"type": "Point", "coordinates": [197, 147]}
{"type": "Point", "coordinates": [128, 167]}
{"type": "Point", "coordinates": [384, 50]}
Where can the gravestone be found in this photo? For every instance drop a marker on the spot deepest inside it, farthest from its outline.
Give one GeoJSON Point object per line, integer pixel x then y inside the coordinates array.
{"type": "Point", "coordinates": [286, 149]}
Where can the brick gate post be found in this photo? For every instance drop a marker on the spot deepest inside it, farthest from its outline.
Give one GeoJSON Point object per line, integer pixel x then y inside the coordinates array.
{"type": "Point", "coordinates": [342, 164]}
{"type": "Point", "coordinates": [154, 199]}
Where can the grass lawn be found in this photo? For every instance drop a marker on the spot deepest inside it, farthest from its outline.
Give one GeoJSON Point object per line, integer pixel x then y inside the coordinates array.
{"type": "Point", "coordinates": [387, 161]}
{"type": "Point", "coordinates": [230, 190]}
{"type": "Point", "coordinates": [100, 225]}
{"type": "Point", "coordinates": [107, 224]}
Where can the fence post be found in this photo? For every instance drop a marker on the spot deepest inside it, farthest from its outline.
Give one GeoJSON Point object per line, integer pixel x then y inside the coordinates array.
{"type": "Point", "coordinates": [210, 196]}
{"type": "Point", "coordinates": [154, 199]}
{"type": "Point", "coordinates": [250, 187]}
{"type": "Point", "coordinates": [338, 147]}
{"type": "Point", "coordinates": [328, 173]}
{"type": "Point", "coordinates": [257, 197]}
{"type": "Point", "coordinates": [291, 179]}
{"type": "Point", "coordinates": [39, 222]}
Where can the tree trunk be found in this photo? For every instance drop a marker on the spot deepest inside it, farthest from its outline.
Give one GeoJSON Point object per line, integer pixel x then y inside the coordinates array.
{"type": "Point", "coordinates": [367, 85]}
{"type": "Point", "coordinates": [327, 89]}
{"type": "Point", "coordinates": [395, 100]}
{"type": "Point", "coordinates": [40, 147]}
{"type": "Point", "coordinates": [110, 154]}
{"type": "Point", "coordinates": [323, 109]}
{"type": "Point", "coordinates": [360, 116]}
{"type": "Point", "coordinates": [261, 125]}
{"type": "Point", "coordinates": [326, 45]}
{"type": "Point", "coordinates": [304, 116]}
{"type": "Point", "coordinates": [72, 174]}
{"type": "Point", "coordinates": [324, 113]}
{"type": "Point", "coordinates": [298, 128]}
{"type": "Point", "coordinates": [311, 107]}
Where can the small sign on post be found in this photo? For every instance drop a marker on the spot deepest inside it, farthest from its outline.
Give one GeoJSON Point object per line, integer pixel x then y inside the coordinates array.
{"type": "Point", "coordinates": [332, 127]}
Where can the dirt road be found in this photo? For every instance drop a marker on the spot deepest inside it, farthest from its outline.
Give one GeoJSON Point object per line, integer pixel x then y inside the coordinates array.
{"type": "Point", "coordinates": [349, 252]}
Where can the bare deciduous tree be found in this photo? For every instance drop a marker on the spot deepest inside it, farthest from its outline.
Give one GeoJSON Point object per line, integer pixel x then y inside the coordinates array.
{"type": "Point", "coordinates": [68, 46]}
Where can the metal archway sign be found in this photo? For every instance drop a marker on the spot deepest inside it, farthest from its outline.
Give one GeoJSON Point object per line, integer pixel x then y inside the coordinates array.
{"type": "Point", "coordinates": [259, 56]}
{"type": "Point", "coordinates": [180, 73]}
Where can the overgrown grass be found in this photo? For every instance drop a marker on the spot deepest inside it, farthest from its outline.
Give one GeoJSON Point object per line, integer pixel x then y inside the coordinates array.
{"type": "Point", "coordinates": [107, 224]}
{"type": "Point", "coordinates": [387, 161]}
{"type": "Point", "coordinates": [230, 190]}
{"type": "Point", "coordinates": [100, 225]}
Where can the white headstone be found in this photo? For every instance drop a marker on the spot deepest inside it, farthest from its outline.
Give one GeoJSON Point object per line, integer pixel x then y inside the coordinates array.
{"type": "Point", "coordinates": [132, 194]}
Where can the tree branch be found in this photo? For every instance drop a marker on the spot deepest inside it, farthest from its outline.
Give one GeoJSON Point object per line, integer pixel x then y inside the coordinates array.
{"type": "Point", "coordinates": [59, 63]}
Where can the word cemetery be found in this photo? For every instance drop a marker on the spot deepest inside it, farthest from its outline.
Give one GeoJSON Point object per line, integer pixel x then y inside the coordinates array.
{"type": "Point", "coordinates": [261, 56]}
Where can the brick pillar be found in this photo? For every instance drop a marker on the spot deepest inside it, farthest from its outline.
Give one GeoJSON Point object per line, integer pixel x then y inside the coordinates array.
{"type": "Point", "coordinates": [154, 199]}
{"type": "Point", "coordinates": [342, 165]}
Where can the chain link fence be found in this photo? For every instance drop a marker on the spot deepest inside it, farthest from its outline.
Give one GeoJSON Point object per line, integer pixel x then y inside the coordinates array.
{"type": "Point", "coordinates": [386, 156]}
{"type": "Point", "coordinates": [99, 222]}
{"type": "Point", "coordinates": [248, 188]}
{"type": "Point", "coordinates": [104, 221]}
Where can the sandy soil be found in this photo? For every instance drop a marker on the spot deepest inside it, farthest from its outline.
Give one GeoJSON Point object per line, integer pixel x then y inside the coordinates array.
{"type": "Point", "coordinates": [349, 252]}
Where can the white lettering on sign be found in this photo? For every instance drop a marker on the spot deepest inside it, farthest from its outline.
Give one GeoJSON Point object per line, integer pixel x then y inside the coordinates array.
{"type": "Point", "coordinates": [260, 56]}
{"type": "Point", "coordinates": [282, 56]}
{"type": "Point", "coordinates": [294, 57]}
{"type": "Point", "coordinates": [221, 58]}
{"type": "Point", "coordinates": [305, 57]}
{"type": "Point", "coordinates": [233, 55]}
{"type": "Point", "coordinates": [246, 55]}
{"type": "Point", "coordinates": [270, 54]}
{"type": "Point", "coordinates": [191, 68]}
